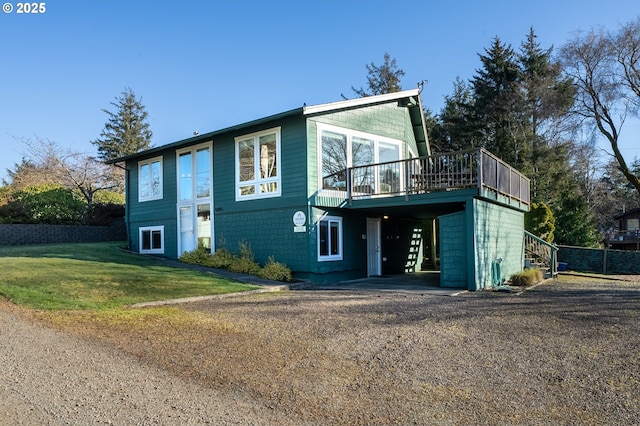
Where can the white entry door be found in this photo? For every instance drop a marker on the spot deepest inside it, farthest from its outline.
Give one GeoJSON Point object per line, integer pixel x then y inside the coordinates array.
{"type": "Point", "coordinates": [374, 257]}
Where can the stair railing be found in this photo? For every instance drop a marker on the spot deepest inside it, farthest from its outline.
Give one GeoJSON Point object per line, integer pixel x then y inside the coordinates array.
{"type": "Point", "coordinates": [542, 252]}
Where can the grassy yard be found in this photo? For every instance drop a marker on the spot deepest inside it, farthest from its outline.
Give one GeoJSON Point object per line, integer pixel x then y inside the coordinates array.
{"type": "Point", "coordinates": [96, 276]}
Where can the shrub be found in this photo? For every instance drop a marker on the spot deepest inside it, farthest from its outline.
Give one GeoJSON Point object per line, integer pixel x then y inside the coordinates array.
{"type": "Point", "coordinates": [198, 256]}
{"type": "Point", "coordinates": [539, 220]}
{"type": "Point", "coordinates": [221, 259]}
{"type": "Point", "coordinates": [50, 204]}
{"type": "Point", "coordinates": [243, 265]}
{"type": "Point", "coordinates": [245, 250]}
{"type": "Point", "coordinates": [105, 214]}
{"type": "Point", "coordinates": [276, 271]}
{"type": "Point", "coordinates": [527, 277]}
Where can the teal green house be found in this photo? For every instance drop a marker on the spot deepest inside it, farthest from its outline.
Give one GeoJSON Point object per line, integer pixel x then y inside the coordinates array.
{"type": "Point", "coordinates": [336, 191]}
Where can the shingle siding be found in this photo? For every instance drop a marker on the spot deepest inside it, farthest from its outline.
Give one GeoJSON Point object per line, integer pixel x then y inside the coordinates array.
{"type": "Point", "coordinates": [453, 250]}
{"type": "Point", "coordinates": [386, 120]}
{"type": "Point", "coordinates": [266, 224]}
{"type": "Point", "coordinates": [269, 232]}
{"type": "Point", "coordinates": [498, 234]}
{"type": "Point", "coordinates": [154, 212]}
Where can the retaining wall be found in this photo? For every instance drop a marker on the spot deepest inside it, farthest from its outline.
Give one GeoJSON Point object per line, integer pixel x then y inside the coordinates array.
{"type": "Point", "coordinates": [47, 234]}
{"type": "Point", "coordinates": [601, 261]}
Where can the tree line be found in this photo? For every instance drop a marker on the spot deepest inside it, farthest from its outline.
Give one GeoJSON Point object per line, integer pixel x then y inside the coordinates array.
{"type": "Point", "coordinates": [539, 109]}
{"type": "Point", "coordinates": [542, 111]}
{"type": "Point", "coordinates": [53, 185]}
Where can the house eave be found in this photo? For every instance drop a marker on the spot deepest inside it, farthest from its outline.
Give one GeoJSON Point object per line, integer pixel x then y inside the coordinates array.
{"type": "Point", "coordinates": [353, 103]}
{"type": "Point", "coordinates": [414, 102]}
{"type": "Point", "coordinates": [207, 136]}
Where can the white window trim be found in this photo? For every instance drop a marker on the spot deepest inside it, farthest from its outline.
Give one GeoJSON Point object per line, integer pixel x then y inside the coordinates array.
{"type": "Point", "coordinates": [330, 258]}
{"type": "Point", "coordinates": [194, 215]}
{"type": "Point", "coordinates": [194, 202]}
{"type": "Point", "coordinates": [320, 127]}
{"type": "Point", "coordinates": [151, 229]}
{"type": "Point", "coordinates": [149, 162]}
{"type": "Point", "coordinates": [278, 179]}
{"type": "Point", "coordinates": [193, 150]}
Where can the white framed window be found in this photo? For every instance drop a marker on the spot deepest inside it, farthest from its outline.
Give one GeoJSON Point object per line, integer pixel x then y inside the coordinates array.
{"type": "Point", "coordinates": [258, 172]}
{"type": "Point", "coordinates": [151, 239]}
{"type": "Point", "coordinates": [194, 172]}
{"type": "Point", "coordinates": [195, 197]}
{"type": "Point", "coordinates": [340, 148]}
{"type": "Point", "coordinates": [329, 238]}
{"type": "Point", "coordinates": [150, 179]}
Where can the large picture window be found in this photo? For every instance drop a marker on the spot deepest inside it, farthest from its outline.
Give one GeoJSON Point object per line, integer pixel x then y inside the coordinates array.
{"type": "Point", "coordinates": [343, 148]}
{"type": "Point", "coordinates": [152, 240]}
{"type": "Point", "coordinates": [330, 238]}
{"type": "Point", "coordinates": [150, 179]}
{"type": "Point", "coordinates": [258, 165]}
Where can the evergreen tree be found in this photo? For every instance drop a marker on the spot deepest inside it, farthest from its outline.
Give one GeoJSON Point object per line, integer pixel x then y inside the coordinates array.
{"type": "Point", "coordinates": [452, 131]}
{"type": "Point", "coordinates": [496, 114]}
{"type": "Point", "coordinates": [382, 79]}
{"type": "Point", "coordinates": [540, 222]}
{"type": "Point", "coordinates": [546, 97]}
{"type": "Point", "coordinates": [127, 129]}
{"type": "Point", "coordinates": [575, 224]}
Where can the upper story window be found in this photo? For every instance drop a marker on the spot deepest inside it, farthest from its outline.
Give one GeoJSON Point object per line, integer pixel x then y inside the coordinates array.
{"type": "Point", "coordinates": [194, 173]}
{"type": "Point", "coordinates": [341, 148]}
{"type": "Point", "coordinates": [258, 165]}
{"type": "Point", "coordinates": [150, 179]}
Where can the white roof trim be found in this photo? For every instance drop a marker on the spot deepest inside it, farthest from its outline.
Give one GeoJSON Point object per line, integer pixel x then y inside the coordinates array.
{"type": "Point", "coordinates": [314, 109]}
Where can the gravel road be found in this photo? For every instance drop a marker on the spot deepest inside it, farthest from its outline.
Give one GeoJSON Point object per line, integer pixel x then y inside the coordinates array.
{"type": "Point", "coordinates": [562, 353]}
{"type": "Point", "coordinates": [53, 378]}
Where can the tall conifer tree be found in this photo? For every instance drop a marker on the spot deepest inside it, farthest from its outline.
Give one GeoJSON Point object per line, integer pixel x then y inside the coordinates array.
{"type": "Point", "coordinates": [495, 111]}
{"type": "Point", "coordinates": [382, 79]}
{"type": "Point", "coordinates": [127, 129]}
{"type": "Point", "coordinates": [546, 96]}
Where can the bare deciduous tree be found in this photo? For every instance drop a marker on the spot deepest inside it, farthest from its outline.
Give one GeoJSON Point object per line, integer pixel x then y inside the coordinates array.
{"type": "Point", "coordinates": [605, 68]}
{"type": "Point", "coordinates": [73, 170]}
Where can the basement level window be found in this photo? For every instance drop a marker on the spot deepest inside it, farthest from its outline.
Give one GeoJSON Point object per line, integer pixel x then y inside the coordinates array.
{"type": "Point", "coordinates": [152, 240]}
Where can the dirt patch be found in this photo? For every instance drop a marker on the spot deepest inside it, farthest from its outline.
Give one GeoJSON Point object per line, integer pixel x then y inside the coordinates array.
{"type": "Point", "coordinates": [562, 353]}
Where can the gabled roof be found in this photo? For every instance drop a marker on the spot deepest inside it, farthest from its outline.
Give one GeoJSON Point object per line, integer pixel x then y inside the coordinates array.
{"type": "Point", "coordinates": [632, 212]}
{"type": "Point", "coordinates": [353, 103]}
{"type": "Point", "coordinates": [408, 98]}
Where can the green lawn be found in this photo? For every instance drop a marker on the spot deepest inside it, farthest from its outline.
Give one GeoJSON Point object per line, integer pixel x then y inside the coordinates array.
{"type": "Point", "coordinates": [97, 276]}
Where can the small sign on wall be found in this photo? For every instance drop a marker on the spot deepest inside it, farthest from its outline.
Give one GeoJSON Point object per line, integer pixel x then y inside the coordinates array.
{"type": "Point", "coordinates": [299, 221]}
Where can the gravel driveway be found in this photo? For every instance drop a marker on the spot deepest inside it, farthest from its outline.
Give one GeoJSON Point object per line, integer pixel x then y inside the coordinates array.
{"type": "Point", "coordinates": [562, 353]}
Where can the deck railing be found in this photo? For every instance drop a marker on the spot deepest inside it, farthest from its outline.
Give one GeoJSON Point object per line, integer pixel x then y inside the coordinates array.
{"type": "Point", "coordinates": [624, 238]}
{"type": "Point", "coordinates": [474, 168]}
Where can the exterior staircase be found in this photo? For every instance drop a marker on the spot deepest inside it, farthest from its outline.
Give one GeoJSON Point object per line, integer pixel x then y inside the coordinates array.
{"type": "Point", "coordinates": [414, 250]}
{"type": "Point", "coordinates": [540, 254]}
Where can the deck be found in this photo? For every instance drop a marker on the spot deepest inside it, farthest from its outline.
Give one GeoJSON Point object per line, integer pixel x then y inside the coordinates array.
{"type": "Point", "coordinates": [474, 169]}
{"type": "Point", "coordinates": [624, 240]}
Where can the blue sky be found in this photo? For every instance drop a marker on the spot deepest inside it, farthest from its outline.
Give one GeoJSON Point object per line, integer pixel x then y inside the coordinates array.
{"type": "Point", "coordinates": [205, 65]}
